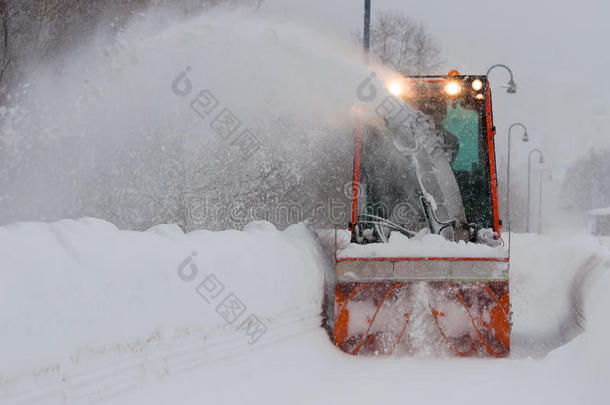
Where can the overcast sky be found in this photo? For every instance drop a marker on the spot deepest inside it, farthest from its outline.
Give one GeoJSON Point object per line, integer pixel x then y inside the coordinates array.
{"type": "Point", "coordinates": [558, 53]}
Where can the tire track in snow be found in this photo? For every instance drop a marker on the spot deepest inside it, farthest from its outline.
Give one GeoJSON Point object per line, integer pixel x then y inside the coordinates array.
{"type": "Point", "coordinates": [86, 384]}
{"type": "Point", "coordinates": [573, 323]}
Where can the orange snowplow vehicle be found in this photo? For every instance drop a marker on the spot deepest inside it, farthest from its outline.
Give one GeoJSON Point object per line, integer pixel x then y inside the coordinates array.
{"type": "Point", "coordinates": [425, 271]}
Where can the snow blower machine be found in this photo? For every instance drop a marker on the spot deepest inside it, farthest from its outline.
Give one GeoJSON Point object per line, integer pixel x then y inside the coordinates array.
{"type": "Point", "coordinates": [424, 270]}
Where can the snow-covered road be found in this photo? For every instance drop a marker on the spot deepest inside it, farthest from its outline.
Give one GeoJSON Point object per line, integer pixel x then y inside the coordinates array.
{"type": "Point", "coordinates": [308, 370]}
{"type": "Point", "coordinates": [91, 313]}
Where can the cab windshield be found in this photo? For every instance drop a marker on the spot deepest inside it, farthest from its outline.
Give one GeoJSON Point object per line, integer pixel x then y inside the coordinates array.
{"type": "Point", "coordinates": [454, 171]}
{"type": "Point", "coordinates": [461, 119]}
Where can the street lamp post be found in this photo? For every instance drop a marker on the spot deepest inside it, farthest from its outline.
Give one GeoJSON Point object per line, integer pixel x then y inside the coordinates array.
{"type": "Point", "coordinates": [525, 139]}
{"type": "Point", "coordinates": [529, 180]}
{"type": "Point", "coordinates": [511, 87]}
{"type": "Point", "coordinates": [366, 35]}
{"type": "Point", "coordinates": [542, 172]}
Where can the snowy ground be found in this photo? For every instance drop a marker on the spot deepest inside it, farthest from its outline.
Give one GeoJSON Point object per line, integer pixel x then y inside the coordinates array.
{"type": "Point", "coordinates": [307, 370]}
{"type": "Point", "coordinates": [90, 313]}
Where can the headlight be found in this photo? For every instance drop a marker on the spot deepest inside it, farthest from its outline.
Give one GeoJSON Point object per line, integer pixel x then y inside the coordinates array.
{"type": "Point", "coordinates": [397, 87]}
{"type": "Point", "coordinates": [452, 88]}
{"type": "Point", "coordinates": [477, 84]}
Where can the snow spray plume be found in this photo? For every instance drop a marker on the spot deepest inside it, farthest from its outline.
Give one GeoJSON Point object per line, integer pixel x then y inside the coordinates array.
{"type": "Point", "coordinates": [160, 124]}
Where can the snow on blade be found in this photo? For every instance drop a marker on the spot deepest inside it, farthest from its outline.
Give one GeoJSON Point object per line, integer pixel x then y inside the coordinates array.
{"type": "Point", "coordinates": [421, 246]}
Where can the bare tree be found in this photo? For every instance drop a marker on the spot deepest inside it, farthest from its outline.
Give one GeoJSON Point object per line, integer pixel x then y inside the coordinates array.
{"type": "Point", "coordinates": [403, 44]}
{"type": "Point", "coordinates": [36, 31]}
{"type": "Point", "coordinates": [5, 20]}
{"type": "Point", "coordinates": [586, 185]}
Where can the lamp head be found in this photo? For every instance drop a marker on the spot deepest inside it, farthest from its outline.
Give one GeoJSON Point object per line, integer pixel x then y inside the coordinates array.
{"type": "Point", "coordinates": [526, 137]}
{"type": "Point", "coordinates": [512, 87]}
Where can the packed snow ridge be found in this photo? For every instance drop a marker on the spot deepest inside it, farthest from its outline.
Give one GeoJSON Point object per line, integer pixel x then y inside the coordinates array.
{"type": "Point", "coordinates": [74, 292]}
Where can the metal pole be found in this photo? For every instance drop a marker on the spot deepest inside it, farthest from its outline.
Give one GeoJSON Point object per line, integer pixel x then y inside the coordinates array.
{"type": "Point", "coordinates": [525, 139]}
{"type": "Point", "coordinates": [540, 199]}
{"type": "Point", "coordinates": [529, 170]}
{"type": "Point", "coordinates": [366, 35]}
{"type": "Point", "coordinates": [540, 204]}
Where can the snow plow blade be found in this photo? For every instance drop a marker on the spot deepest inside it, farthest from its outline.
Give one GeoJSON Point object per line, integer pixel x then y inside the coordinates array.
{"type": "Point", "coordinates": [422, 306]}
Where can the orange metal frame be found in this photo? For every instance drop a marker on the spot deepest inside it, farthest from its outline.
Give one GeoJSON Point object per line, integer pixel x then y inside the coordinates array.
{"type": "Point", "coordinates": [491, 150]}
{"type": "Point", "coordinates": [492, 332]}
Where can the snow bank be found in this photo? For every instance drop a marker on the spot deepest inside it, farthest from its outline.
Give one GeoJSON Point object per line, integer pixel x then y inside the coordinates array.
{"type": "Point", "coordinates": [400, 245]}
{"type": "Point", "coordinates": [548, 279]}
{"type": "Point", "coordinates": [72, 291]}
